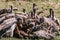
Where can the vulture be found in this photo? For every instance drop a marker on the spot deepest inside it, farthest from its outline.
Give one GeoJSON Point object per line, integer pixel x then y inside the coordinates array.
{"type": "Point", "coordinates": [3, 11]}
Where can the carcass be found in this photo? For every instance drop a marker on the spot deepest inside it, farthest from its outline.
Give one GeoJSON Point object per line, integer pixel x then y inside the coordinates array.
{"type": "Point", "coordinates": [44, 34]}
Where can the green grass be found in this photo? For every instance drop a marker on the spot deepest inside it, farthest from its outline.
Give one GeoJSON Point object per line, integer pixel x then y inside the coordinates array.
{"type": "Point", "coordinates": [41, 5]}
{"type": "Point", "coordinates": [8, 38]}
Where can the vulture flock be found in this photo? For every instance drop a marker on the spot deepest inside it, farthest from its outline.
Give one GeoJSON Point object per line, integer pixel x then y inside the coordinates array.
{"type": "Point", "coordinates": [31, 25]}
